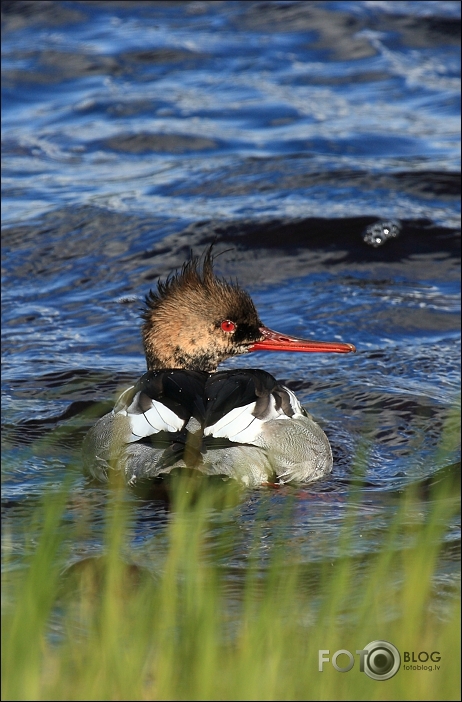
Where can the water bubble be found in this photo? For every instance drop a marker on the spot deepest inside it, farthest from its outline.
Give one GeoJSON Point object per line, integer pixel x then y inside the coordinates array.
{"type": "Point", "coordinates": [377, 234]}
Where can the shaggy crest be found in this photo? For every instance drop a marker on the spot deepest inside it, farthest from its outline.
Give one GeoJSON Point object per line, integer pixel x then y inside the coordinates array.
{"type": "Point", "coordinates": [183, 319]}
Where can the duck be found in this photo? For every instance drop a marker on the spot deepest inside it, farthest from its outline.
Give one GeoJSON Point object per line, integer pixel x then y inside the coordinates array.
{"type": "Point", "coordinates": [240, 424]}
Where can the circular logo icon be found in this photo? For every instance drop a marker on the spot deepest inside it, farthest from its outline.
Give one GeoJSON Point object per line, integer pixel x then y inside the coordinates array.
{"type": "Point", "coordinates": [382, 661]}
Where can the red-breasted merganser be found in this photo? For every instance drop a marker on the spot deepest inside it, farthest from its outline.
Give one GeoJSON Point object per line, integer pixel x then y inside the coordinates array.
{"type": "Point", "coordinates": [239, 423]}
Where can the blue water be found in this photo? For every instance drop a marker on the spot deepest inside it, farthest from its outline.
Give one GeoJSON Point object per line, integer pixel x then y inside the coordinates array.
{"type": "Point", "coordinates": [285, 131]}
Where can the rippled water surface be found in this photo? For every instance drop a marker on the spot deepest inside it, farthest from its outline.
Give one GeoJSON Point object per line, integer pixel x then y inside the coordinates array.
{"type": "Point", "coordinates": [318, 144]}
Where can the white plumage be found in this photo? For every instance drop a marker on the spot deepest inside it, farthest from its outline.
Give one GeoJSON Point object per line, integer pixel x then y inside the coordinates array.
{"type": "Point", "coordinates": [155, 419]}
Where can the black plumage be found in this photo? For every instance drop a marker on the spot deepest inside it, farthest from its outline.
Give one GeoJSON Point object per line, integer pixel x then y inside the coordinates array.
{"type": "Point", "coordinates": [229, 389]}
{"type": "Point", "coordinates": [180, 390]}
{"type": "Point", "coordinates": [206, 397]}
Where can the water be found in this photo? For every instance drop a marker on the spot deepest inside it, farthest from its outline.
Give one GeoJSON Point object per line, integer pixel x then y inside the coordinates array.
{"type": "Point", "coordinates": [318, 143]}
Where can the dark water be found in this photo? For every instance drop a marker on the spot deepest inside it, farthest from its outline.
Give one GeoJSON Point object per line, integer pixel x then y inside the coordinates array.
{"type": "Point", "coordinates": [284, 131]}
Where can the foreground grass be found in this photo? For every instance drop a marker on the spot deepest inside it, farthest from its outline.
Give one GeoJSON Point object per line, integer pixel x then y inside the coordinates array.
{"type": "Point", "coordinates": [106, 630]}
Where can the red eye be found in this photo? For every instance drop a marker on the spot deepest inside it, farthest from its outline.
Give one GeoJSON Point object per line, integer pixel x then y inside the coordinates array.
{"type": "Point", "coordinates": [228, 326]}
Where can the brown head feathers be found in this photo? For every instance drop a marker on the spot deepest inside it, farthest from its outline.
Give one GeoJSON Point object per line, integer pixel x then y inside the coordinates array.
{"type": "Point", "coordinates": [195, 320]}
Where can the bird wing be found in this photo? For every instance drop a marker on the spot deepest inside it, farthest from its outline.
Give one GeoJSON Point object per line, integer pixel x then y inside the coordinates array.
{"type": "Point", "coordinates": [163, 401]}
